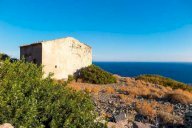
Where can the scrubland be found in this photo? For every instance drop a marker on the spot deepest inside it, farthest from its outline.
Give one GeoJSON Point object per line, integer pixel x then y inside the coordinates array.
{"type": "Point", "coordinates": [147, 102]}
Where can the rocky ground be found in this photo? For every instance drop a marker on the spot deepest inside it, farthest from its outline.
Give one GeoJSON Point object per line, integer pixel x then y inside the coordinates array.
{"type": "Point", "coordinates": [135, 103]}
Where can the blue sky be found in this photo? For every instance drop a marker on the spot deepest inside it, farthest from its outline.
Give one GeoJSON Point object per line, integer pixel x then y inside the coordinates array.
{"type": "Point", "coordinates": [117, 30]}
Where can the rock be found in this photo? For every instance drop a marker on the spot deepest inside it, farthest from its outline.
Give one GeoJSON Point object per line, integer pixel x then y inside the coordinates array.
{"type": "Point", "coordinates": [119, 117]}
{"type": "Point", "coordinates": [110, 102]}
{"type": "Point", "coordinates": [120, 124]}
{"type": "Point", "coordinates": [140, 118]}
{"type": "Point", "coordinates": [6, 125]}
{"type": "Point", "coordinates": [142, 125]}
{"type": "Point", "coordinates": [188, 119]}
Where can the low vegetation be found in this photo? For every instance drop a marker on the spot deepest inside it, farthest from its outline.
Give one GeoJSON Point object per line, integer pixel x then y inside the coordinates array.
{"type": "Point", "coordinates": [96, 75]}
{"type": "Point", "coordinates": [179, 96]}
{"type": "Point", "coordinates": [149, 101]}
{"type": "Point", "coordinates": [27, 100]}
{"type": "Point", "coordinates": [70, 78]}
{"type": "Point", "coordinates": [145, 109]}
{"type": "Point", "coordinates": [3, 57]}
{"type": "Point", "coordinates": [156, 79]}
{"type": "Point", "coordinates": [169, 119]}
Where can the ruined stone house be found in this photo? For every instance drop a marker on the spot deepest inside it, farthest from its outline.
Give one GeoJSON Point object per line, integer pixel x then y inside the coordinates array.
{"type": "Point", "coordinates": [62, 57]}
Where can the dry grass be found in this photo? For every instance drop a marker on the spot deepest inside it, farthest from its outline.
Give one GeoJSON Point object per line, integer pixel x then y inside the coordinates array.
{"type": "Point", "coordinates": [88, 89]}
{"type": "Point", "coordinates": [130, 81]}
{"type": "Point", "coordinates": [151, 109]}
{"type": "Point", "coordinates": [164, 81]}
{"type": "Point", "coordinates": [145, 109]}
{"type": "Point", "coordinates": [75, 87]}
{"type": "Point", "coordinates": [123, 88]}
{"type": "Point", "coordinates": [179, 96]}
{"type": "Point", "coordinates": [149, 106]}
{"type": "Point", "coordinates": [96, 89]}
{"type": "Point", "coordinates": [148, 91]}
{"type": "Point", "coordinates": [109, 90]}
{"type": "Point", "coordinates": [167, 118]}
{"type": "Point", "coordinates": [127, 99]}
{"type": "Point", "coordinates": [143, 90]}
{"type": "Point", "coordinates": [168, 89]}
{"type": "Point", "coordinates": [168, 108]}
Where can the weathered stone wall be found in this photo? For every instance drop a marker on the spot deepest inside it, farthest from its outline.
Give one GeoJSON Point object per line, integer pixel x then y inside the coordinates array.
{"type": "Point", "coordinates": [32, 53]}
{"type": "Point", "coordinates": [65, 56]}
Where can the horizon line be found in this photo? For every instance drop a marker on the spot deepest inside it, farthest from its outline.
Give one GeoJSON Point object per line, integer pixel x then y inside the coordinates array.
{"type": "Point", "coordinates": [147, 61]}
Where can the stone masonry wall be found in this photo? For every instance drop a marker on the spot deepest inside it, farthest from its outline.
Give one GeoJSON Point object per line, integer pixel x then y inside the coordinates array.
{"type": "Point", "coordinates": [65, 56]}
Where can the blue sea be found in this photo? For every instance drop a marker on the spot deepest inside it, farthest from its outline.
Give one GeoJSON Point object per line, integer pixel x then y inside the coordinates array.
{"type": "Point", "coordinates": [179, 71]}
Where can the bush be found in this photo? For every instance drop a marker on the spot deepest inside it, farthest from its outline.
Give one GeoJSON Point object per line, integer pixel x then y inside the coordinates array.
{"type": "Point", "coordinates": [96, 75]}
{"type": "Point", "coordinates": [156, 79]}
{"type": "Point", "coordinates": [27, 100]}
{"type": "Point", "coordinates": [3, 57]}
{"type": "Point", "coordinates": [70, 79]}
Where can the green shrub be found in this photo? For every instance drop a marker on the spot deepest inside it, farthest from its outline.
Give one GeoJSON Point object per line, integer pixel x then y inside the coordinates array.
{"type": "Point", "coordinates": [70, 78]}
{"type": "Point", "coordinates": [156, 79]}
{"type": "Point", "coordinates": [27, 100]}
{"type": "Point", "coordinates": [96, 75]}
{"type": "Point", "coordinates": [3, 57]}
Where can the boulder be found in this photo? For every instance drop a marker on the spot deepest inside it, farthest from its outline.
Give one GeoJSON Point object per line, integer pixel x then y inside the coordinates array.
{"type": "Point", "coordinates": [6, 125]}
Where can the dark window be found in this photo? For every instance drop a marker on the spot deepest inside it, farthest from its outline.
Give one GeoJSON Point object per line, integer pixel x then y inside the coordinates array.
{"type": "Point", "coordinates": [25, 55]}
{"type": "Point", "coordinates": [34, 61]}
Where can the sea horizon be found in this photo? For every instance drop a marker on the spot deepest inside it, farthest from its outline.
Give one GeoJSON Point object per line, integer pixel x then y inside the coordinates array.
{"type": "Point", "coordinates": [179, 71]}
{"type": "Point", "coordinates": [145, 61]}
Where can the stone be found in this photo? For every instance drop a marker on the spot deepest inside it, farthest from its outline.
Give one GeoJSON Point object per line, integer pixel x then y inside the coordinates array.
{"type": "Point", "coordinates": [188, 120]}
{"type": "Point", "coordinates": [6, 125]}
{"type": "Point", "coordinates": [142, 125]}
{"type": "Point", "coordinates": [119, 117]}
{"type": "Point", "coordinates": [110, 102]}
{"type": "Point", "coordinates": [120, 124]}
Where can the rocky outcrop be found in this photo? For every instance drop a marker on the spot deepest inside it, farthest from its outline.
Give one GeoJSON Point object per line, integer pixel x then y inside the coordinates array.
{"type": "Point", "coordinates": [131, 102]}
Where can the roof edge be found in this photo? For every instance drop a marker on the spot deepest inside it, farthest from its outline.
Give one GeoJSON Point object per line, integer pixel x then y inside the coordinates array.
{"type": "Point", "coordinates": [40, 42]}
{"type": "Point", "coordinates": [33, 44]}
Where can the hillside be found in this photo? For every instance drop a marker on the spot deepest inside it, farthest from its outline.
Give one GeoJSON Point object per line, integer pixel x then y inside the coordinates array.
{"type": "Point", "coordinates": [95, 98]}
{"type": "Point", "coordinates": [167, 82]}
{"type": "Point", "coordinates": [130, 101]}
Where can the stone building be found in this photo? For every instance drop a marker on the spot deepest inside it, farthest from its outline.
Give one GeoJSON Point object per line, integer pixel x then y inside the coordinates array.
{"type": "Point", "coordinates": [62, 57]}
